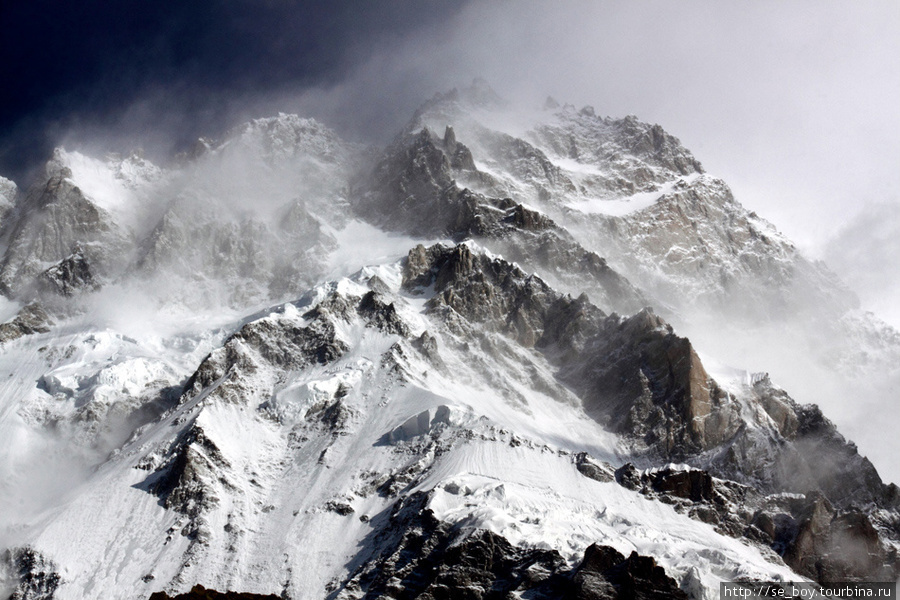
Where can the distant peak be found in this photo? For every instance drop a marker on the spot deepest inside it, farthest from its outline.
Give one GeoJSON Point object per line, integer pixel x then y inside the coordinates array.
{"type": "Point", "coordinates": [284, 136]}
{"type": "Point", "coordinates": [480, 93]}
{"type": "Point", "coordinates": [59, 163]}
{"type": "Point", "coordinates": [8, 192]}
{"type": "Point", "coordinates": [281, 123]}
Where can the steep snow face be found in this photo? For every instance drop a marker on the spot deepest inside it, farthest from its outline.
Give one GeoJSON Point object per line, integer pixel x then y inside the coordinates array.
{"type": "Point", "coordinates": [114, 185]}
{"type": "Point", "coordinates": [722, 274]}
{"type": "Point", "coordinates": [282, 461]}
{"type": "Point", "coordinates": [164, 424]}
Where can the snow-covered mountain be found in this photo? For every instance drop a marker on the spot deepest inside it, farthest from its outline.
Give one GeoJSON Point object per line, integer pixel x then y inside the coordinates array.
{"type": "Point", "coordinates": [294, 366]}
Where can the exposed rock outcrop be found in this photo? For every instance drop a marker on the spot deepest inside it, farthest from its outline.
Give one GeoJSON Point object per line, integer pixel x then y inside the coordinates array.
{"type": "Point", "coordinates": [812, 536]}
{"type": "Point", "coordinates": [68, 276]}
{"type": "Point", "coordinates": [31, 319]}
{"type": "Point", "coordinates": [604, 573]}
{"type": "Point", "coordinates": [198, 592]}
{"type": "Point", "coordinates": [55, 218]}
{"type": "Point", "coordinates": [634, 374]}
{"type": "Point", "coordinates": [417, 556]}
{"type": "Point", "coordinates": [35, 576]}
{"type": "Point", "coordinates": [281, 342]}
{"type": "Point", "coordinates": [416, 191]}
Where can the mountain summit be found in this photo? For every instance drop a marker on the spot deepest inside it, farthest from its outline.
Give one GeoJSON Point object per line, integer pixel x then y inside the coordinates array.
{"type": "Point", "coordinates": [495, 358]}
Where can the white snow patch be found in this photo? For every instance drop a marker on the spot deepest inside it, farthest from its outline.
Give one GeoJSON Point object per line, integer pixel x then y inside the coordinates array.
{"type": "Point", "coordinates": [361, 244]}
{"type": "Point", "coordinates": [537, 499]}
{"type": "Point", "coordinates": [8, 309]}
{"type": "Point", "coordinates": [619, 207]}
{"type": "Point", "coordinates": [113, 185]}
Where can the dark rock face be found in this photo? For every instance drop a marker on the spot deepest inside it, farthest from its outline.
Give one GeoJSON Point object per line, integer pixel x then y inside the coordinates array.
{"type": "Point", "coordinates": [415, 191]}
{"type": "Point", "coordinates": [815, 539]}
{"type": "Point", "coordinates": [55, 218]}
{"type": "Point", "coordinates": [417, 557]}
{"type": "Point", "coordinates": [31, 319]}
{"type": "Point", "coordinates": [69, 275]}
{"type": "Point", "coordinates": [410, 184]}
{"type": "Point", "coordinates": [198, 592]}
{"type": "Point", "coordinates": [605, 574]}
{"type": "Point", "coordinates": [634, 374]}
{"type": "Point", "coordinates": [646, 381]}
{"type": "Point", "coordinates": [284, 344]}
{"type": "Point", "coordinates": [381, 315]}
{"type": "Point", "coordinates": [37, 576]}
{"type": "Point", "coordinates": [494, 294]}
{"type": "Point", "coordinates": [825, 544]}
{"type": "Point", "coordinates": [428, 346]}
{"type": "Point", "coordinates": [693, 485]}
{"type": "Point", "coordinates": [183, 484]}
{"type": "Point", "coordinates": [598, 471]}
{"type": "Point", "coordinates": [725, 504]}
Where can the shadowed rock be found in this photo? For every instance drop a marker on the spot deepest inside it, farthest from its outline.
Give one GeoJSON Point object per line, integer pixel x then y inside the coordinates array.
{"type": "Point", "coordinates": [415, 190]}
{"type": "Point", "coordinates": [36, 576]}
{"type": "Point", "coordinates": [69, 275]}
{"type": "Point", "coordinates": [604, 573]}
{"type": "Point", "coordinates": [55, 218]}
{"type": "Point", "coordinates": [415, 556]}
{"type": "Point", "coordinates": [198, 592]}
{"type": "Point", "coordinates": [31, 319]}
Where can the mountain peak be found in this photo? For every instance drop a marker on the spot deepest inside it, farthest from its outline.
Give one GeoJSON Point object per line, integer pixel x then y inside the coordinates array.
{"type": "Point", "coordinates": [294, 366]}
{"type": "Point", "coordinates": [8, 192]}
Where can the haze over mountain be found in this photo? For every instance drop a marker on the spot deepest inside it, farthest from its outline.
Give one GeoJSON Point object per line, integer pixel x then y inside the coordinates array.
{"type": "Point", "coordinates": [290, 364]}
{"type": "Point", "coordinates": [795, 106]}
{"type": "Point", "coordinates": [277, 318]}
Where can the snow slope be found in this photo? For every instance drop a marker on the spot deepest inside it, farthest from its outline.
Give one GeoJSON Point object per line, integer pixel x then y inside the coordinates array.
{"type": "Point", "coordinates": [499, 459]}
{"type": "Point", "coordinates": [255, 359]}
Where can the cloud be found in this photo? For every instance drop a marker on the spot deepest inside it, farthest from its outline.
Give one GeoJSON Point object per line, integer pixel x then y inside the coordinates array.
{"type": "Point", "coordinates": [84, 67]}
{"type": "Point", "coordinates": [865, 254]}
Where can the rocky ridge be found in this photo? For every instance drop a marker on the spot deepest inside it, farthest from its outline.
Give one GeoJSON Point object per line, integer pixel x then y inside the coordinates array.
{"type": "Point", "coordinates": [476, 419]}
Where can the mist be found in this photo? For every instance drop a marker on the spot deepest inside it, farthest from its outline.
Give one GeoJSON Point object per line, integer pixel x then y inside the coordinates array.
{"type": "Point", "coordinates": [792, 104]}
{"type": "Point", "coordinates": [864, 252]}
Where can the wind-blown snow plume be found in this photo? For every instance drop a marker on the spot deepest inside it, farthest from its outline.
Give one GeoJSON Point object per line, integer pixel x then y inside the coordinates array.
{"type": "Point", "coordinates": [290, 364]}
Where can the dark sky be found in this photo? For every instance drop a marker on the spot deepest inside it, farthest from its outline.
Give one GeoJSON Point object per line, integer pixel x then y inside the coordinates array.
{"type": "Point", "coordinates": [68, 65]}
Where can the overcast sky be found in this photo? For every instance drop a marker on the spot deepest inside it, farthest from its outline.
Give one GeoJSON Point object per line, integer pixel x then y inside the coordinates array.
{"type": "Point", "coordinates": [793, 103]}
